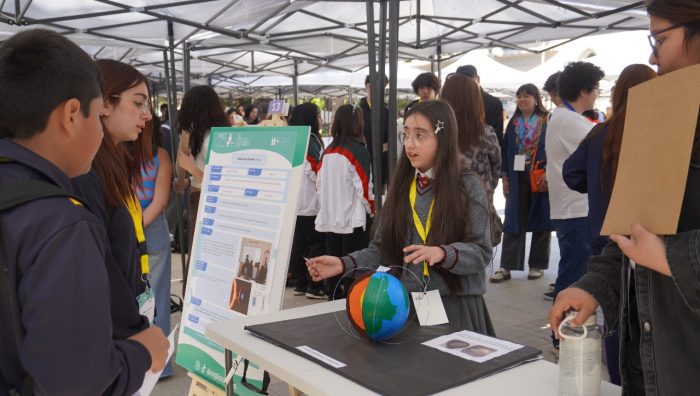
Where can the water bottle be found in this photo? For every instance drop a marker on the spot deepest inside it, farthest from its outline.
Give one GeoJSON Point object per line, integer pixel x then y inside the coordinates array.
{"type": "Point", "coordinates": [580, 357]}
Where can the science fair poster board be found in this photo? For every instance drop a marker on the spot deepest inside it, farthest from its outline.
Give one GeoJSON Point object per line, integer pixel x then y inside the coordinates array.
{"type": "Point", "coordinates": [243, 238]}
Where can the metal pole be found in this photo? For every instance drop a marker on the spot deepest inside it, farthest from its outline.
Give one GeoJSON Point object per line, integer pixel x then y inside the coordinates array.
{"type": "Point", "coordinates": [393, 69]}
{"type": "Point", "coordinates": [186, 67]}
{"type": "Point", "coordinates": [295, 82]}
{"type": "Point", "coordinates": [173, 150]}
{"type": "Point", "coordinates": [418, 24]}
{"type": "Point", "coordinates": [376, 101]}
{"type": "Point", "coordinates": [172, 114]}
{"type": "Point", "coordinates": [350, 94]}
{"type": "Point", "coordinates": [439, 61]}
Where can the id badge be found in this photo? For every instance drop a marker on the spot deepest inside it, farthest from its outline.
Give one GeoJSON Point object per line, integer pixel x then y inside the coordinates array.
{"type": "Point", "coordinates": [429, 308]}
{"type": "Point", "coordinates": [147, 305]}
{"type": "Point", "coordinates": [519, 163]}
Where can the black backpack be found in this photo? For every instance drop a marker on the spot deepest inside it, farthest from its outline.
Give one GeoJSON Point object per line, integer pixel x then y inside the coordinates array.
{"type": "Point", "coordinates": [15, 194]}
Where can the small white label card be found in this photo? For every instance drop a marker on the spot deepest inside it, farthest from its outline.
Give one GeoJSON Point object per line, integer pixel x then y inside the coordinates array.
{"type": "Point", "coordinates": [382, 268]}
{"type": "Point", "coordinates": [519, 163]}
{"type": "Point", "coordinates": [472, 346]}
{"type": "Point", "coordinates": [320, 356]}
{"type": "Point", "coordinates": [429, 308]}
{"type": "Point", "coordinates": [147, 305]}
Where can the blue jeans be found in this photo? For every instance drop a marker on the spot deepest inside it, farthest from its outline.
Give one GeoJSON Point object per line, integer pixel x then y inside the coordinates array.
{"type": "Point", "coordinates": [574, 249]}
{"type": "Point", "coordinates": [158, 242]}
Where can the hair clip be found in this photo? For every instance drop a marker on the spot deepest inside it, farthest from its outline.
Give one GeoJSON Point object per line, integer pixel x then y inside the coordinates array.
{"type": "Point", "coordinates": [439, 125]}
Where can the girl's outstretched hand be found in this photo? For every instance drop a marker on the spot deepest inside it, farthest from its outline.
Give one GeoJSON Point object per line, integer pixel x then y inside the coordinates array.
{"type": "Point", "coordinates": [324, 267]}
{"type": "Point", "coordinates": [420, 253]}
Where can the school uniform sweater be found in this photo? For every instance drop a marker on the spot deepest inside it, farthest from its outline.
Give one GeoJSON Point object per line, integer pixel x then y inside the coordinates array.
{"type": "Point", "coordinates": [467, 259]}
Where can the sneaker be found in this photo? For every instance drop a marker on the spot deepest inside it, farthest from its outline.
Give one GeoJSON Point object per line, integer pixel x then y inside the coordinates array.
{"type": "Point", "coordinates": [535, 274]}
{"type": "Point", "coordinates": [500, 275]}
{"type": "Point", "coordinates": [550, 288]}
{"type": "Point", "coordinates": [549, 296]}
{"type": "Point", "coordinates": [299, 288]}
{"type": "Point", "coordinates": [316, 294]}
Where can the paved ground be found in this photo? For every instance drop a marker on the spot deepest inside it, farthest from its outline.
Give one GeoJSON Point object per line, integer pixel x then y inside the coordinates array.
{"type": "Point", "coordinates": [517, 308]}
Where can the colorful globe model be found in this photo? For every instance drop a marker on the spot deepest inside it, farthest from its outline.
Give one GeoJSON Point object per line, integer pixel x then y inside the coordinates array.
{"type": "Point", "coordinates": [377, 305]}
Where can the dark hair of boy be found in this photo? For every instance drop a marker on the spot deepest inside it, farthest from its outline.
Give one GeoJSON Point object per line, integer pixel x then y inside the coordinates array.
{"type": "Point", "coordinates": [630, 76]}
{"type": "Point", "coordinates": [117, 169]}
{"type": "Point", "coordinates": [229, 111]}
{"type": "Point", "coordinates": [552, 83]}
{"type": "Point", "coordinates": [577, 77]}
{"type": "Point", "coordinates": [386, 80]}
{"type": "Point", "coordinates": [464, 95]}
{"type": "Point", "coordinates": [531, 89]}
{"type": "Point", "coordinates": [306, 114]}
{"type": "Point", "coordinates": [429, 80]}
{"type": "Point", "coordinates": [32, 88]}
{"type": "Point", "coordinates": [348, 124]}
{"type": "Point", "coordinates": [450, 213]}
{"type": "Point", "coordinates": [201, 110]}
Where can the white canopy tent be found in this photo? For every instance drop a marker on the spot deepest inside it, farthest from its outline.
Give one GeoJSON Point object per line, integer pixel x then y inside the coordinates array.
{"type": "Point", "coordinates": [228, 40]}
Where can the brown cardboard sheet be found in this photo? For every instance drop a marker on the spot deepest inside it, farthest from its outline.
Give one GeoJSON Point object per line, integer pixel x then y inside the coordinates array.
{"type": "Point", "coordinates": [655, 155]}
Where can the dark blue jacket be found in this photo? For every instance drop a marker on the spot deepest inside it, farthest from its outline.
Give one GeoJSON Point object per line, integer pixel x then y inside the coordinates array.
{"type": "Point", "coordinates": [581, 173]}
{"type": "Point", "coordinates": [121, 257]}
{"type": "Point", "coordinates": [56, 252]}
{"type": "Point", "coordinates": [538, 219]}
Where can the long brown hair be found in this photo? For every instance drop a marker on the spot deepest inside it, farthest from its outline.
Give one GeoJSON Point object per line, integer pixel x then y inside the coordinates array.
{"type": "Point", "coordinates": [631, 75]}
{"type": "Point", "coordinates": [117, 169]}
{"type": "Point", "coordinates": [464, 95]}
{"type": "Point", "coordinates": [201, 110]}
{"type": "Point", "coordinates": [450, 214]}
{"type": "Point", "coordinates": [348, 124]}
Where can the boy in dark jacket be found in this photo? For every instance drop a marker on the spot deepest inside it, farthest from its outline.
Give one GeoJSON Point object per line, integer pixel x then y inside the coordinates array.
{"type": "Point", "coordinates": [56, 328]}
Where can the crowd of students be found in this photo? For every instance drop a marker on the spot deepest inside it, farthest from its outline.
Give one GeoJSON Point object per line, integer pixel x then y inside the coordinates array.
{"type": "Point", "coordinates": [84, 254]}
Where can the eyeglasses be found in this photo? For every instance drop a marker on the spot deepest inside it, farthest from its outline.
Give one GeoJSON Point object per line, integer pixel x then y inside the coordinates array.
{"type": "Point", "coordinates": [145, 106]}
{"type": "Point", "coordinates": [417, 138]}
{"type": "Point", "coordinates": [654, 43]}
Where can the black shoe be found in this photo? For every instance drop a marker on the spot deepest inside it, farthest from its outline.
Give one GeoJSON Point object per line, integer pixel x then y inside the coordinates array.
{"type": "Point", "coordinates": [300, 286]}
{"type": "Point", "coordinates": [315, 293]}
{"type": "Point", "coordinates": [549, 296]}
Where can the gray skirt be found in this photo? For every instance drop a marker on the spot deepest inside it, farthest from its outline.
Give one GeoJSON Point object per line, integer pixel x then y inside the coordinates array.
{"type": "Point", "coordinates": [468, 313]}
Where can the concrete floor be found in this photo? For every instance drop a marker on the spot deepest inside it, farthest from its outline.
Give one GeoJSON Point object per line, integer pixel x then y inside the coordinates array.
{"type": "Point", "coordinates": [517, 309]}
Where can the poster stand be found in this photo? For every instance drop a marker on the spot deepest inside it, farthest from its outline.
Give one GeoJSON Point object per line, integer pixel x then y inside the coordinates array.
{"type": "Point", "coordinates": [243, 237]}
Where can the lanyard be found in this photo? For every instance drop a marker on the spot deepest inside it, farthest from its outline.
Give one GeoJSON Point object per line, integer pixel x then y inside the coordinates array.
{"type": "Point", "coordinates": [422, 232]}
{"type": "Point", "coordinates": [137, 218]}
{"type": "Point", "coordinates": [570, 107]}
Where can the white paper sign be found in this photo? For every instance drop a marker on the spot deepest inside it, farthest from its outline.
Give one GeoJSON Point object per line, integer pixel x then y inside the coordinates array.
{"type": "Point", "coordinates": [320, 356]}
{"type": "Point", "coordinates": [151, 378]}
{"type": "Point", "coordinates": [472, 346]}
{"type": "Point", "coordinates": [429, 308]}
{"type": "Point", "coordinates": [519, 163]}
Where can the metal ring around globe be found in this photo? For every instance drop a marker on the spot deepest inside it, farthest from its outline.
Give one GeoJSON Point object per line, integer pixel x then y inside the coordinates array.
{"type": "Point", "coordinates": [354, 333]}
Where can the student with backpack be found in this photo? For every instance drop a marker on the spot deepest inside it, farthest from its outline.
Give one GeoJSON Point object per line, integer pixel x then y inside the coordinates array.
{"type": "Point", "coordinates": [56, 334]}
{"type": "Point", "coordinates": [430, 224]}
{"type": "Point", "coordinates": [344, 187]}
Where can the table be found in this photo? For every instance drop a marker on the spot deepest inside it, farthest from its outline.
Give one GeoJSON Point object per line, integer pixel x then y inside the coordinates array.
{"type": "Point", "coordinates": [539, 378]}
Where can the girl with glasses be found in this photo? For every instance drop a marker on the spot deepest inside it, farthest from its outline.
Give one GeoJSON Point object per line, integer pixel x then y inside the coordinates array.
{"type": "Point", "coordinates": [654, 293]}
{"type": "Point", "coordinates": [110, 194]}
{"type": "Point", "coordinates": [431, 224]}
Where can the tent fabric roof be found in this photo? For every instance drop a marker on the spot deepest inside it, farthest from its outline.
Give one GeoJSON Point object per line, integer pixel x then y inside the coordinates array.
{"type": "Point", "coordinates": [234, 42]}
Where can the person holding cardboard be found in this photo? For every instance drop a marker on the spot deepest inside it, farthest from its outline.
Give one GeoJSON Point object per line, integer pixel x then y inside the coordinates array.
{"type": "Point", "coordinates": [652, 285]}
{"type": "Point", "coordinates": [56, 332]}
